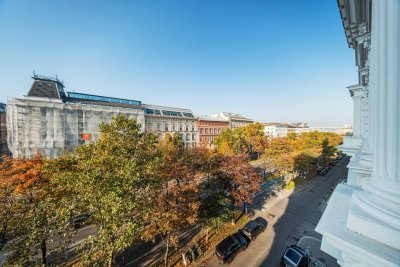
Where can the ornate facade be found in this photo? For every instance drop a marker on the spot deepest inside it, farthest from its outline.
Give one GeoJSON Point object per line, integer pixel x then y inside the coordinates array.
{"type": "Point", "coordinates": [361, 224]}
{"type": "Point", "coordinates": [161, 120]}
{"type": "Point", "coordinates": [208, 129]}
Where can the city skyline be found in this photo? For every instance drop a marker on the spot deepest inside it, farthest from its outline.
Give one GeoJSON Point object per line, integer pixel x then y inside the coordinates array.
{"type": "Point", "coordinates": [209, 57]}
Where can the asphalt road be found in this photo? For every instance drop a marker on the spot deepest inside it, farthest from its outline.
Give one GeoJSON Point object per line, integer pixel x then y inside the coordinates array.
{"type": "Point", "coordinates": [290, 216]}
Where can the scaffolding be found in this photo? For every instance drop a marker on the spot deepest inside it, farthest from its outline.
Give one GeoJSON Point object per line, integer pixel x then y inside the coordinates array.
{"type": "Point", "coordinates": [52, 127]}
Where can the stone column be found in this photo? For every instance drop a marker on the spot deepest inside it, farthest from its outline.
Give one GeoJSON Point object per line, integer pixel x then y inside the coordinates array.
{"type": "Point", "coordinates": [375, 210]}
{"type": "Point", "coordinates": [357, 93]}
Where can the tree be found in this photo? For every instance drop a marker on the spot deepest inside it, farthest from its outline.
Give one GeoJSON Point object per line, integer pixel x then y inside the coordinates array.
{"type": "Point", "coordinates": [248, 139]}
{"type": "Point", "coordinates": [254, 136]}
{"type": "Point", "coordinates": [225, 142]}
{"type": "Point", "coordinates": [327, 150]}
{"type": "Point", "coordinates": [112, 180]}
{"type": "Point", "coordinates": [238, 179]}
{"type": "Point", "coordinates": [280, 153]}
{"type": "Point", "coordinates": [25, 212]}
{"type": "Point", "coordinates": [178, 191]}
{"type": "Point", "coordinates": [213, 210]}
{"type": "Point", "coordinates": [302, 152]}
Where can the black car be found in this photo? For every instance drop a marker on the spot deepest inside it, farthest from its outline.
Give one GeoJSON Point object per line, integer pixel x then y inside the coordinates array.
{"type": "Point", "coordinates": [295, 256]}
{"type": "Point", "coordinates": [261, 221]}
{"type": "Point", "coordinates": [322, 171]}
{"type": "Point", "coordinates": [78, 221]}
{"type": "Point", "coordinates": [253, 228]}
{"type": "Point", "coordinates": [230, 247]}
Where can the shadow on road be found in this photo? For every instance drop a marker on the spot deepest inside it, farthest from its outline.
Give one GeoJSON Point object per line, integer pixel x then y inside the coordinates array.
{"type": "Point", "coordinates": [149, 253]}
{"type": "Point", "coordinates": [301, 215]}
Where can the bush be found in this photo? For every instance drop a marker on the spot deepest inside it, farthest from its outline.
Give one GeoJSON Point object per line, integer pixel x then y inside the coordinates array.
{"type": "Point", "coordinates": [290, 186]}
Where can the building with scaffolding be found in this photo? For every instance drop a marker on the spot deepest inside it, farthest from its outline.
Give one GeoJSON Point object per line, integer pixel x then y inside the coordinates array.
{"type": "Point", "coordinates": [162, 120]}
{"type": "Point", "coordinates": [50, 121]}
{"type": "Point", "coordinates": [3, 131]}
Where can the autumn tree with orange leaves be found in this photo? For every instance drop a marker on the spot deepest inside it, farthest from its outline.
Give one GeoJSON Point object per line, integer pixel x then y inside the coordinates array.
{"type": "Point", "coordinates": [178, 190]}
{"type": "Point", "coordinates": [239, 179]}
{"type": "Point", "coordinates": [23, 214]}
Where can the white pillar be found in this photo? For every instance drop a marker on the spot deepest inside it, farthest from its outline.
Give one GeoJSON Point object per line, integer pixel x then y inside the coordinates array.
{"type": "Point", "coordinates": [357, 93]}
{"type": "Point", "coordinates": [375, 210]}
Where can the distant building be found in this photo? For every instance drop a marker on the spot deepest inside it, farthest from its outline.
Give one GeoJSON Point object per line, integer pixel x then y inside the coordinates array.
{"type": "Point", "coordinates": [283, 129]}
{"type": "Point", "coordinates": [275, 129]}
{"type": "Point", "coordinates": [235, 120]}
{"type": "Point", "coordinates": [161, 120]}
{"type": "Point", "coordinates": [3, 131]}
{"type": "Point", "coordinates": [337, 130]}
{"type": "Point", "coordinates": [300, 124]}
{"type": "Point", "coordinates": [50, 121]}
{"type": "Point", "coordinates": [209, 128]}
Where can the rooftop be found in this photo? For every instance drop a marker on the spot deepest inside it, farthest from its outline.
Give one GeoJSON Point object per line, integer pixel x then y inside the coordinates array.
{"type": "Point", "coordinates": [167, 111]}
{"type": "Point", "coordinates": [231, 116]}
{"type": "Point", "coordinates": [73, 96]}
{"type": "Point", "coordinates": [52, 87]}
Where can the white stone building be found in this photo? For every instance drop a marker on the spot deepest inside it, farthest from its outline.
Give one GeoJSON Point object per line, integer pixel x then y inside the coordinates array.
{"type": "Point", "coordinates": [235, 120]}
{"type": "Point", "coordinates": [361, 223]}
{"type": "Point", "coordinates": [275, 129]}
{"type": "Point", "coordinates": [161, 120]}
{"type": "Point", "coordinates": [51, 121]}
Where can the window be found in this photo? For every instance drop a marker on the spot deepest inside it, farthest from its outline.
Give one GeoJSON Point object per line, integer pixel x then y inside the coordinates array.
{"type": "Point", "coordinates": [172, 113]}
{"type": "Point", "coordinates": [186, 114]}
{"type": "Point", "coordinates": [152, 111]}
{"type": "Point", "coordinates": [187, 128]}
{"type": "Point", "coordinates": [166, 127]}
{"type": "Point", "coordinates": [193, 137]}
{"type": "Point", "coordinates": [180, 127]}
{"type": "Point", "coordinates": [103, 98]}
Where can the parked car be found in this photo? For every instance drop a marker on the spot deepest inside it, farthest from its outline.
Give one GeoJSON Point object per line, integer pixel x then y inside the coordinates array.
{"type": "Point", "coordinates": [332, 164]}
{"type": "Point", "coordinates": [78, 221]}
{"type": "Point", "coordinates": [322, 171]}
{"type": "Point", "coordinates": [228, 248]}
{"type": "Point", "coordinates": [295, 256]}
{"type": "Point", "coordinates": [252, 229]}
{"type": "Point", "coordinates": [335, 161]}
{"type": "Point", "coordinates": [261, 221]}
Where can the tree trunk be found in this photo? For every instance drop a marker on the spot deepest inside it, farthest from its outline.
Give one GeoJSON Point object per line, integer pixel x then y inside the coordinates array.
{"type": "Point", "coordinates": [233, 211]}
{"type": "Point", "coordinates": [44, 252]}
{"type": "Point", "coordinates": [111, 259]}
{"type": "Point", "coordinates": [166, 252]}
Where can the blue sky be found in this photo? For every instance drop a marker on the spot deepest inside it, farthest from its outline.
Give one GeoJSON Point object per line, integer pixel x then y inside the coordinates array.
{"type": "Point", "coordinates": [270, 60]}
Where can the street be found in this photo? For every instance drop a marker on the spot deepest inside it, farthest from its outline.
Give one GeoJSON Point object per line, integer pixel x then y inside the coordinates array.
{"type": "Point", "coordinates": [292, 217]}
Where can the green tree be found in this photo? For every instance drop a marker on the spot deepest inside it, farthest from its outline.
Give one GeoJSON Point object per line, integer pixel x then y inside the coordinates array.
{"type": "Point", "coordinates": [112, 180]}
{"type": "Point", "coordinates": [327, 150]}
{"type": "Point", "coordinates": [248, 139]}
